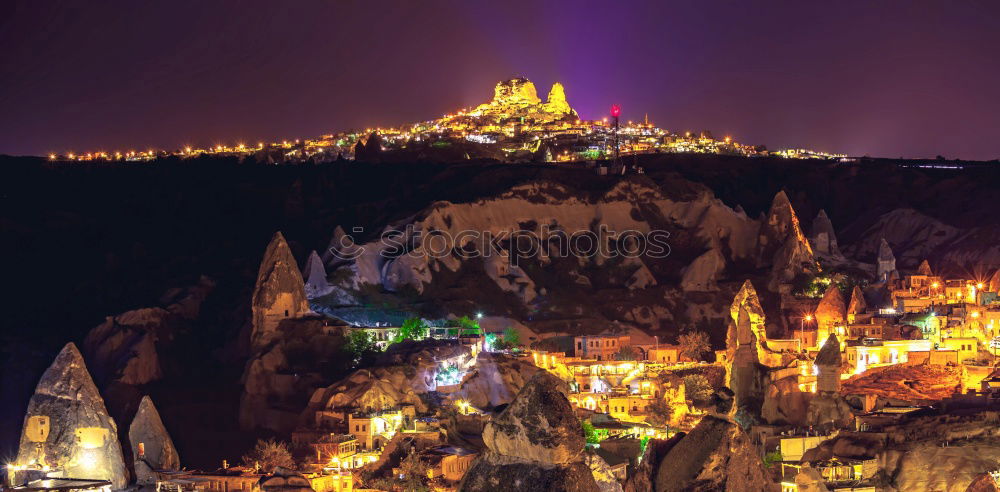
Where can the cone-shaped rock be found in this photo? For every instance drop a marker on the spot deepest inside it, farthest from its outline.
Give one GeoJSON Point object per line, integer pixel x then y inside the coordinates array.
{"type": "Point", "coordinates": [780, 225]}
{"type": "Point", "coordinates": [830, 313]}
{"type": "Point", "coordinates": [315, 275]}
{"type": "Point", "coordinates": [782, 244]}
{"type": "Point", "coordinates": [67, 426]}
{"type": "Point", "coordinates": [858, 304]}
{"type": "Point", "coordinates": [925, 269]}
{"type": "Point", "coordinates": [829, 354]}
{"type": "Point", "coordinates": [279, 293]}
{"type": "Point", "coordinates": [822, 236]}
{"type": "Point", "coordinates": [886, 262]}
{"type": "Point", "coordinates": [148, 436]}
{"type": "Point", "coordinates": [715, 456]}
{"type": "Point", "coordinates": [747, 296]}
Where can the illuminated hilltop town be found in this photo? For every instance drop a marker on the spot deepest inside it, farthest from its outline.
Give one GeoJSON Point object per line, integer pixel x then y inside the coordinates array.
{"type": "Point", "coordinates": [452, 403]}
{"type": "Point", "coordinates": [515, 126]}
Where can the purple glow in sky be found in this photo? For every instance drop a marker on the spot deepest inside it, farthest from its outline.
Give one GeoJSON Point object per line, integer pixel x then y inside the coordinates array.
{"type": "Point", "coordinates": [890, 78]}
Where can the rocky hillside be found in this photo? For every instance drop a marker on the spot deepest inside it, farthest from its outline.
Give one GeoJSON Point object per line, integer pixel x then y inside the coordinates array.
{"type": "Point", "coordinates": [171, 252]}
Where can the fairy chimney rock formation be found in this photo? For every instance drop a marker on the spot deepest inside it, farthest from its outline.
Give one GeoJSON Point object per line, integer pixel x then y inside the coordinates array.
{"type": "Point", "coordinates": [750, 331]}
{"type": "Point", "coordinates": [279, 293]}
{"type": "Point", "coordinates": [782, 245]}
{"type": "Point", "coordinates": [152, 448]}
{"type": "Point", "coordinates": [830, 314]}
{"type": "Point", "coordinates": [925, 269]}
{"type": "Point", "coordinates": [315, 277]}
{"type": "Point", "coordinates": [886, 262]}
{"type": "Point", "coordinates": [823, 238]}
{"type": "Point", "coordinates": [67, 426]}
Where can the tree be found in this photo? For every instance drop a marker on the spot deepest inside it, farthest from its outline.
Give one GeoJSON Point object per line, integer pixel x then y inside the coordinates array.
{"type": "Point", "coordinates": [463, 326]}
{"type": "Point", "coordinates": [360, 343]}
{"type": "Point", "coordinates": [593, 435]}
{"type": "Point", "coordinates": [268, 454]}
{"type": "Point", "coordinates": [511, 337]}
{"type": "Point", "coordinates": [694, 344]}
{"type": "Point", "coordinates": [414, 473]}
{"type": "Point", "coordinates": [697, 388]}
{"type": "Point", "coordinates": [412, 329]}
{"type": "Point", "coordinates": [626, 353]}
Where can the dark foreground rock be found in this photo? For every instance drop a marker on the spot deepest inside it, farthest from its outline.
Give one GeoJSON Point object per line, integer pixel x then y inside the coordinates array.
{"type": "Point", "coordinates": [715, 456]}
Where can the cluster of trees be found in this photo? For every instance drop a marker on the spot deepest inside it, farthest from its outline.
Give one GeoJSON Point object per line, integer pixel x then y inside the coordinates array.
{"type": "Point", "coordinates": [509, 340]}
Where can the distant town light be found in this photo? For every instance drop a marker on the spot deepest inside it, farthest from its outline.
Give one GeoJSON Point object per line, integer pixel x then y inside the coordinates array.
{"type": "Point", "coordinates": [479, 315]}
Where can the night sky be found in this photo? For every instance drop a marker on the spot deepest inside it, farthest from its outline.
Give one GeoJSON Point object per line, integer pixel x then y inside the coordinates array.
{"type": "Point", "coordinates": [885, 78]}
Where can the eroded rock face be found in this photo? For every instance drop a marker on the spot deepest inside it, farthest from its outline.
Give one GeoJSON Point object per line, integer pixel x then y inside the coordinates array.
{"type": "Point", "coordinates": [148, 435]}
{"type": "Point", "coordinates": [539, 425]}
{"type": "Point", "coordinates": [983, 483]}
{"type": "Point", "coordinates": [715, 456]}
{"type": "Point", "coordinates": [829, 411]}
{"type": "Point", "coordinates": [496, 380]}
{"type": "Point", "coordinates": [928, 466]}
{"type": "Point", "coordinates": [125, 348]}
{"type": "Point", "coordinates": [67, 397]}
{"type": "Point", "coordinates": [279, 293]}
{"type": "Point", "coordinates": [276, 381]}
{"type": "Point", "coordinates": [703, 272]}
{"type": "Point", "coordinates": [785, 402]}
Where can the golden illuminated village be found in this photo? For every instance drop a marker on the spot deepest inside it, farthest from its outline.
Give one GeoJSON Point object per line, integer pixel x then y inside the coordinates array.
{"type": "Point", "coordinates": [515, 126]}
{"type": "Point", "coordinates": [864, 364]}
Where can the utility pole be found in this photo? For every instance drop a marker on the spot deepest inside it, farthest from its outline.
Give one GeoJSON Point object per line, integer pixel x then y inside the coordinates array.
{"type": "Point", "coordinates": [616, 111]}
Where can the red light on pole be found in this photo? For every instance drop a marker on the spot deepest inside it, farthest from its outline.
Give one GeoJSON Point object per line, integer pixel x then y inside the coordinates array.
{"type": "Point", "coordinates": [616, 110]}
